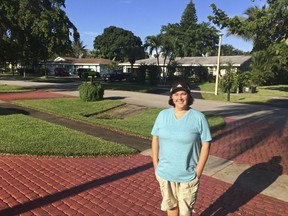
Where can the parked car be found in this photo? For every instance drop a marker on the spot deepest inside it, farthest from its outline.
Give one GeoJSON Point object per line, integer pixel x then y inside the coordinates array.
{"type": "Point", "coordinates": [61, 72]}
{"type": "Point", "coordinates": [114, 76]}
{"type": "Point", "coordinates": [84, 73]}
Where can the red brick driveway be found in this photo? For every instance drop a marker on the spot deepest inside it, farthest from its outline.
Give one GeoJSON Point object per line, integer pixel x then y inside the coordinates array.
{"type": "Point", "coordinates": [126, 185]}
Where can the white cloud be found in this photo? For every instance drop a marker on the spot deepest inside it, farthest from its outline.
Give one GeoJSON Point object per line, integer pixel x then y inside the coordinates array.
{"type": "Point", "coordinates": [90, 34]}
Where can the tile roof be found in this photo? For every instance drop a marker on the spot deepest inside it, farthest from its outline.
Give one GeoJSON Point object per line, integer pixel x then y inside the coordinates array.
{"type": "Point", "coordinates": [196, 61]}
{"type": "Point", "coordinates": [84, 60]}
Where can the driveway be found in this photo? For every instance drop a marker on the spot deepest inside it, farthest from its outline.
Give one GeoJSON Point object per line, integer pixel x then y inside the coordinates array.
{"type": "Point", "coordinates": [251, 152]}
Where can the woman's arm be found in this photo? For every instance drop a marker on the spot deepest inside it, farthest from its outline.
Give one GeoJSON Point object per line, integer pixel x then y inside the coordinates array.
{"type": "Point", "coordinates": [204, 153]}
{"type": "Point", "coordinates": [155, 151]}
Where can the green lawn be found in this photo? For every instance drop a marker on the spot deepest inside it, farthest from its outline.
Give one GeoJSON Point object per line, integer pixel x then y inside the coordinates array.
{"type": "Point", "coordinates": [54, 79]}
{"type": "Point", "coordinates": [11, 88]}
{"type": "Point", "coordinates": [263, 94]}
{"type": "Point", "coordinates": [21, 134]}
{"type": "Point", "coordinates": [128, 87]}
{"type": "Point", "coordinates": [140, 124]}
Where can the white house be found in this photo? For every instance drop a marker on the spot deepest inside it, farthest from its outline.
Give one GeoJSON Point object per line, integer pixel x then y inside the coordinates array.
{"type": "Point", "coordinates": [72, 64]}
{"type": "Point", "coordinates": [238, 62]}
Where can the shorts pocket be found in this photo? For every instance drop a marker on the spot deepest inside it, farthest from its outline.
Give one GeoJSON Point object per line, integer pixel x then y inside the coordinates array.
{"type": "Point", "coordinates": [194, 182]}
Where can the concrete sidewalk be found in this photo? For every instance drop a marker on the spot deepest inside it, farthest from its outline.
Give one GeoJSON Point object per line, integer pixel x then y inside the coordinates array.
{"type": "Point", "coordinates": [246, 173]}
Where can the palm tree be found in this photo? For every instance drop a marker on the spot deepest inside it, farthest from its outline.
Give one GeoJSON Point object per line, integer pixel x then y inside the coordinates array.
{"type": "Point", "coordinates": [169, 43]}
{"type": "Point", "coordinates": [132, 54]}
{"type": "Point", "coordinates": [79, 50]}
{"type": "Point", "coordinates": [153, 43]}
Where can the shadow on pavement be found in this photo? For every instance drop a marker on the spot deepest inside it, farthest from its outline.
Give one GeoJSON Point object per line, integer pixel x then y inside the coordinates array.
{"type": "Point", "coordinates": [234, 197]}
{"type": "Point", "coordinates": [37, 203]}
{"type": "Point", "coordinates": [283, 103]}
{"type": "Point", "coordinates": [259, 133]}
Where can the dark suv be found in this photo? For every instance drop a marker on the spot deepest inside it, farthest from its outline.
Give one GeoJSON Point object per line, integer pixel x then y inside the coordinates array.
{"type": "Point", "coordinates": [115, 75]}
{"type": "Point", "coordinates": [61, 72]}
{"type": "Point", "coordinates": [84, 73]}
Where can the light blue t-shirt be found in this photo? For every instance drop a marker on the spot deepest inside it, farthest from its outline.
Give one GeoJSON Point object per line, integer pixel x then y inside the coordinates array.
{"type": "Point", "coordinates": [179, 143]}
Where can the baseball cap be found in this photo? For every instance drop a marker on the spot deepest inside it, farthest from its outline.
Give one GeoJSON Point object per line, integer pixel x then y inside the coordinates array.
{"type": "Point", "coordinates": [180, 86]}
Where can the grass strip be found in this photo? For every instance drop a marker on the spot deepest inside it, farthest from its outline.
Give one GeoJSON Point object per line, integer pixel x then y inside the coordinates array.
{"type": "Point", "coordinates": [139, 124]}
{"type": "Point", "coordinates": [21, 134]}
{"type": "Point", "coordinates": [12, 88]}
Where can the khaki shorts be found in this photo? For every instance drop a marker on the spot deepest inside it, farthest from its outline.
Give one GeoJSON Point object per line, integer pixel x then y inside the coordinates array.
{"type": "Point", "coordinates": [176, 194]}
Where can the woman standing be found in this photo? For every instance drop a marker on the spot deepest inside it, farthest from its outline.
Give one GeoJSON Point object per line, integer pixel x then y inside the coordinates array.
{"type": "Point", "coordinates": [180, 149]}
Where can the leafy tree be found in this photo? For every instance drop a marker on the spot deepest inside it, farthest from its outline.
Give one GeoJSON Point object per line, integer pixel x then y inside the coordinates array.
{"type": "Point", "coordinates": [228, 78]}
{"type": "Point", "coordinates": [229, 50]}
{"type": "Point", "coordinates": [153, 74]}
{"type": "Point", "coordinates": [113, 41]}
{"type": "Point", "coordinates": [189, 17]}
{"type": "Point", "coordinates": [34, 30]}
{"type": "Point", "coordinates": [201, 74]}
{"type": "Point", "coordinates": [269, 67]}
{"type": "Point", "coordinates": [189, 37]}
{"type": "Point", "coordinates": [263, 25]}
{"type": "Point", "coordinates": [267, 27]}
{"type": "Point", "coordinates": [175, 34]}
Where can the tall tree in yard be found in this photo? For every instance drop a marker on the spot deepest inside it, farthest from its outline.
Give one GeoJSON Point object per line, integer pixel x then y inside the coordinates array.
{"type": "Point", "coordinates": [35, 30]}
{"type": "Point", "coordinates": [193, 39]}
{"type": "Point", "coordinates": [189, 17]}
{"type": "Point", "coordinates": [112, 42]}
{"type": "Point", "coordinates": [153, 45]}
{"type": "Point", "coordinates": [267, 28]}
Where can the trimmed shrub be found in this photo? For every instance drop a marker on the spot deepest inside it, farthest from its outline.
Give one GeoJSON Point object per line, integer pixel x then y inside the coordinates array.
{"type": "Point", "coordinates": [90, 92]}
{"type": "Point", "coordinates": [153, 74]}
{"type": "Point", "coordinates": [139, 74]}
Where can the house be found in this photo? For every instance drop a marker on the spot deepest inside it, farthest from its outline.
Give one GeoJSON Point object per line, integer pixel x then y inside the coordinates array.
{"type": "Point", "coordinates": [240, 62]}
{"type": "Point", "coordinates": [72, 64]}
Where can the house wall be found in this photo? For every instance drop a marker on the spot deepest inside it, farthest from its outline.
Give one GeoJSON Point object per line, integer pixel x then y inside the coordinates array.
{"type": "Point", "coordinates": [72, 68]}
{"type": "Point", "coordinates": [92, 67]}
{"type": "Point", "coordinates": [52, 67]}
{"type": "Point", "coordinates": [239, 63]}
{"type": "Point", "coordinates": [98, 68]}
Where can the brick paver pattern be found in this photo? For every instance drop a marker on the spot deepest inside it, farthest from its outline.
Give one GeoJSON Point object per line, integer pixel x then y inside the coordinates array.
{"type": "Point", "coordinates": [252, 143]}
{"type": "Point", "coordinates": [31, 185]}
{"type": "Point", "coordinates": [39, 94]}
{"type": "Point", "coordinates": [110, 186]}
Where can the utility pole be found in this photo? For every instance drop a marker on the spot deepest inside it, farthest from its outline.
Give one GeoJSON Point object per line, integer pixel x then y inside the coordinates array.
{"type": "Point", "coordinates": [218, 63]}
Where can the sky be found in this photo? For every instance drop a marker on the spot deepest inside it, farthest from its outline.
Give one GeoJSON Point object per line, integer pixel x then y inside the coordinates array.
{"type": "Point", "coordinates": [145, 17]}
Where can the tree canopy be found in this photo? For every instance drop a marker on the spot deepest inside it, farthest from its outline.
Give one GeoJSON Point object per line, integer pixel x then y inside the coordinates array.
{"type": "Point", "coordinates": [229, 50]}
{"type": "Point", "coordinates": [189, 17]}
{"type": "Point", "coordinates": [186, 38]}
{"type": "Point", "coordinates": [263, 26]}
{"type": "Point", "coordinates": [115, 43]}
{"type": "Point", "coordinates": [34, 30]}
{"type": "Point", "coordinates": [267, 27]}
{"type": "Point", "coordinates": [78, 49]}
